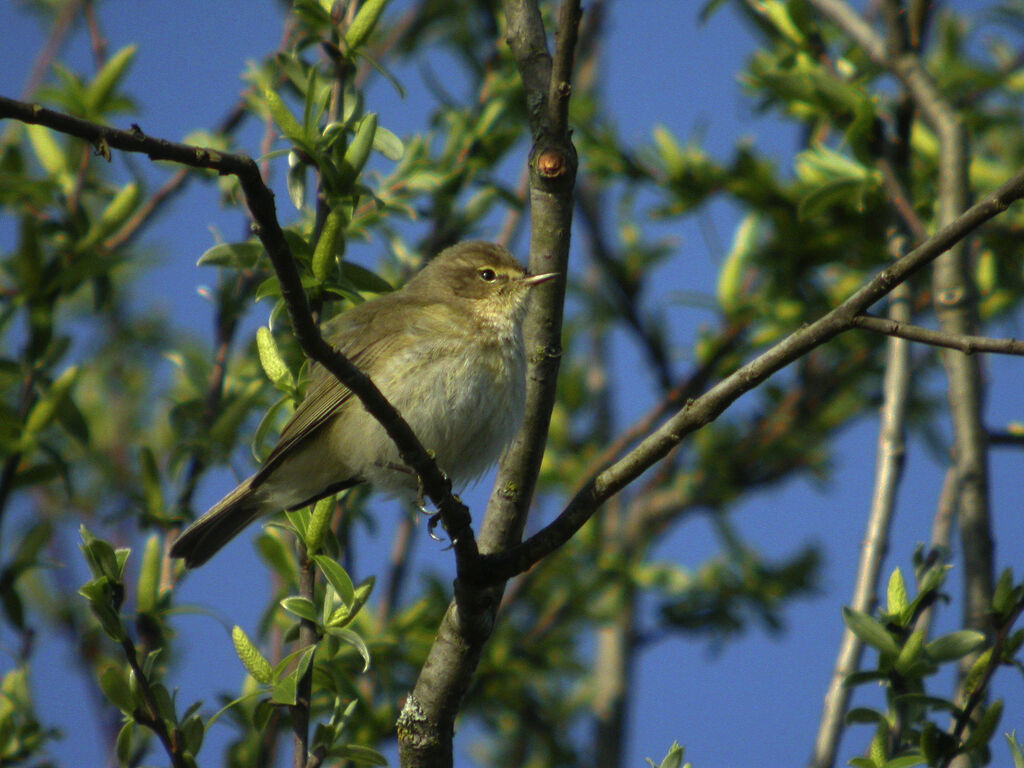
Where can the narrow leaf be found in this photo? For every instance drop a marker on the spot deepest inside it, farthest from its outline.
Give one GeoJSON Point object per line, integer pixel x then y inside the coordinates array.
{"type": "Point", "coordinates": [364, 22]}
{"type": "Point", "coordinates": [870, 631]}
{"type": "Point", "coordinates": [955, 645]}
{"type": "Point", "coordinates": [300, 606]}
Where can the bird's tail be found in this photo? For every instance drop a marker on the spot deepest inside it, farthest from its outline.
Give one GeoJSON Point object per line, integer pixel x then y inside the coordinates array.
{"type": "Point", "coordinates": [225, 520]}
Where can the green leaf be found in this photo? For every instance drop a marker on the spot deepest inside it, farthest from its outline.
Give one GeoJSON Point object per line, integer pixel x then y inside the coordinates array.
{"type": "Point", "coordinates": [286, 687]}
{"type": "Point", "coordinates": [1015, 749]}
{"type": "Point", "coordinates": [870, 631]}
{"type": "Point", "coordinates": [670, 152]}
{"type": "Point", "coordinates": [357, 152]}
{"type": "Point", "coordinates": [100, 556]}
{"type": "Point", "coordinates": [327, 247]}
{"type": "Point", "coordinates": [148, 585]}
{"type": "Point", "coordinates": [864, 715]}
{"type": "Point", "coordinates": [673, 758]}
{"type": "Point", "coordinates": [733, 272]}
{"type": "Point", "coordinates": [124, 742]}
{"type": "Point", "coordinates": [97, 93]}
{"type": "Point", "coordinates": [296, 180]}
{"type": "Point", "coordinates": [345, 614]}
{"type": "Point", "coordinates": [905, 761]}
{"type": "Point", "coordinates": [276, 555]}
{"type": "Point", "coordinates": [299, 518]}
{"type": "Point", "coordinates": [358, 754]}
{"type": "Point", "coordinates": [896, 594]}
{"type": "Point", "coordinates": [116, 213]}
{"type": "Point", "coordinates": [388, 144]}
{"type": "Point", "coordinates": [150, 476]}
{"type": "Point", "coordinates": [238, 255]}
{"type": "Point", "coordinates": [100, 594]}
{"type": "Point", "coordinates": [319, 522]}
{"type": "Point", "coordinates": [363, 279]}
{"type": "Point", "coordinates": [260, 447]}
{"type": "Point", "coordinates": [364, 22]}
{"type": "Point", "coordinates": [353, 639]}
{"type": "Point", "coordinates": [300, 606]}
{"type": "Point", "coordinates": [45, 408]}
{"type": "Point", "coordinates": [925, 701]}
{"type": "Point", "coordinates": [777, 14]}
{"type": "Point", "coordinates": [976, 673]}
{"type": "Point", "coordinates": [955, 645]}
{"type": "Point", "coordinates": [283, 118]}
{"type": "Point", "coordinates": [338, 578]}
{"type": "Point", "coordinates": [47, 150]}
{"type": "Point", "coordinates": [115, 687]}
{"type": "Point", "coordinates": [1002, 596]}
{"type": "Point", "coordinates": [910, 653]}
{"type": "Point", "coordinates": [225, 426]}
{"type": "Point", "coordinates": [983, 729]}
{"type": "Point", "coordinates": [254, 662]}
{"type": "Point", "coordinates": [194, 731]}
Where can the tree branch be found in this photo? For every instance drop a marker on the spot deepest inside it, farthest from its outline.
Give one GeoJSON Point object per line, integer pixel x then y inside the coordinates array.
{"type": "Point", "coordinates": [260, 201]}
{"type": "Point", "coordinates": [426, 723]}
{"type": "Point", "coordinates": [965, 343]}
{"type": "Point", "coordinates": [890, 456]}
{"type": "Point", "coordinates": [709, 406]}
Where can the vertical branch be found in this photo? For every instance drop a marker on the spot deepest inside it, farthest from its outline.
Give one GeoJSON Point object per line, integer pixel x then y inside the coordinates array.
{"type": "Point", "coordinates": [304, 690]}
{"type": "Point", "coordinates": [956, 308]}
{"type": "Point", "coordinates": [552, 177]}
{"type": "Point", "coordinates": [616, 650]}
{"type": "Point", "coordinates": [888, 470]}
{"type": "Point", "coordinates": [426, 724]}
{"type": "Point", "coordinates": [891, 449]}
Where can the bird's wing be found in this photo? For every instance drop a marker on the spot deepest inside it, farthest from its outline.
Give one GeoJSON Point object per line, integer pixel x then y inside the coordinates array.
{"type": "Point", "coordinates": [357, 336]}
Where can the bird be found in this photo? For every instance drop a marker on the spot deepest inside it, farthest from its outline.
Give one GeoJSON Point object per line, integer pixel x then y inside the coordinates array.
{"type": "Point", "coordinates": [446, 350]}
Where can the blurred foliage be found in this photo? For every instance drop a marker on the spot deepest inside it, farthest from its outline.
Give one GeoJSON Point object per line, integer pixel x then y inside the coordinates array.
{"type": "Point", "coordinates": [90, 435]}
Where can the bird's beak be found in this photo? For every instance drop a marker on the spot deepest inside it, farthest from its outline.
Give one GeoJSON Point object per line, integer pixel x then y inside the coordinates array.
{"type": "Point", "coordinates": [531, 280]}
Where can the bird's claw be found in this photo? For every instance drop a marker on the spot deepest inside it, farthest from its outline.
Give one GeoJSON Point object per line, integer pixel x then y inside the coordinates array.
{"type": "Point", "coordinates": [432, 524]}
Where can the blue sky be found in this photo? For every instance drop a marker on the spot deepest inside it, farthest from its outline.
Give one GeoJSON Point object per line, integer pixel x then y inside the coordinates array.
{"type": "Point", "coordinates": [756, 702]}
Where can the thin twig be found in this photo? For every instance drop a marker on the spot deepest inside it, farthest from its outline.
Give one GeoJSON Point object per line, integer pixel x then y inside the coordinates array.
{"type": "Point", "coordinates": [888, 471]}
{"type": "Point", "coordinates": [152, 718]}
{"type": "Point", "coordinates": [624, 294]}
{"type": "Point", "coordinates": [965, 343]}
{"type": "Point", "coordinates": [304, 689]}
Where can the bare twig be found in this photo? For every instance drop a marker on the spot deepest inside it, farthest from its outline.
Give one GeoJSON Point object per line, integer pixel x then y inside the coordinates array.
{"type": "Point", "coordinates": [965, 343]}
{"type": "Point", "coordinates": [888, 470]}
{"type": "Point", "coordinates": [942, 528]}
{"type": "Point", "coordinates": [398, 567]}
{"type": "Point", "coordinates": [62, 25]}
{"type": "Point", "coordinates": [625, 295]}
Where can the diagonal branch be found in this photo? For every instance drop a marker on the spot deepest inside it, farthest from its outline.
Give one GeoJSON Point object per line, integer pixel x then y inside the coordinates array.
{"type": "Point", "coordinates": [966, 343]}
{"type": "Point", "coordinates": [260, 201]}
{"type": "Point", "coordinates": [705, 409]}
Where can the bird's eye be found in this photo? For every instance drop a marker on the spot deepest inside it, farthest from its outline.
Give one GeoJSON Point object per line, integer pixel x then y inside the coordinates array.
{"type": "Point", "coordinates": [488, 275]}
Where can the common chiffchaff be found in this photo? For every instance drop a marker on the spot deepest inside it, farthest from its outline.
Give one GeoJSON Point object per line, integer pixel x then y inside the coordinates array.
{"type": "Point", "coordinates": [446, 350]}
